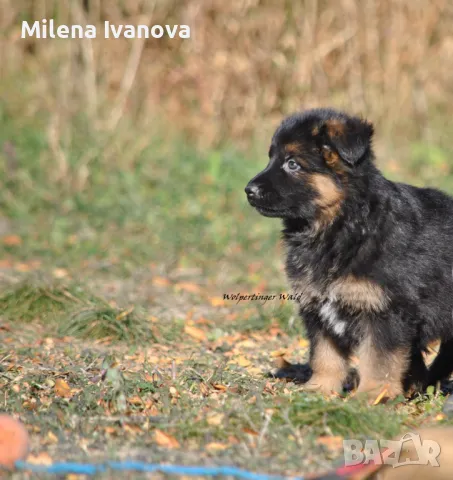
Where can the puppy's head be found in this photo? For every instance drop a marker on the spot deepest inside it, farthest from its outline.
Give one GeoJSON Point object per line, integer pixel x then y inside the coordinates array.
{"type": "Point", "coordinates": [313, 159]}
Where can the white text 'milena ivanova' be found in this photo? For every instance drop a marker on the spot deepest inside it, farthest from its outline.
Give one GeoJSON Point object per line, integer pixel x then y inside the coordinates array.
{"type": "Point", "coordinates": [49, 29]}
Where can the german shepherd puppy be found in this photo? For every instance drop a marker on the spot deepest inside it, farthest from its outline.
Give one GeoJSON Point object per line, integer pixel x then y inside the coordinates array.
{"type": "Point", "coordinates": [369, 260]}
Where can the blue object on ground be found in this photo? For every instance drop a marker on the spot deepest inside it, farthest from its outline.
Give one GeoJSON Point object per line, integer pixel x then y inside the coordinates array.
{"type": "Point", "coordinates": [65, 468]}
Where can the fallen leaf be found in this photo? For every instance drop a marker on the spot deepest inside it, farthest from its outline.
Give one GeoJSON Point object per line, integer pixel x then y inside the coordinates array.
{"type": "Point", "coordinates": [5, 263]}
{"type": "Point", "coordinates": [173, 392]}
{"type": "Point", "coordinates": [195, 333]}
{"type": "Point", "coordinates": [242, 361]}
{"type": "Point", "coordinates": [383, 394]}
{"type": "Point", "coordinates": [204, 389]}
{"type": "Point", "coordinates": [275, 330]}
{"type": "Point", "coordinates": [51, 438]}
{"type": "Point", "coordinates": [125, 313]}
{"type": "Point", "coordinates": [278, 353]}
{"type": "Point", "coordinates": [165, 440]}
{"type": "Point", "coordinates": [161, 281]}
{"type": "Point", "coordinates": [255, 371]}
{"type": "Point", "coordinates": [269, 388]}
{"type": "Point", "coordinates": [332, 443]}
{"type": "Point", "coordinates": [60, 273]}
{"type": "Point", "coordinates": [248, 343]}
{"type": "Point", "coordinates": [62, 389]}
{"type": "Point", "coordinates": [135, 400]}
{"type": "Point", "coordinates": [30, 405]}
{"type": "Point", "coordinates": [215, 419]}
{"type": "Point", "coordinates": [12, 240]}
{"type": "Point", "coordinates": [40, 459]}
{"type": "Point", "coordinates": [204, 321]}
{"type": "Point", "coordinates": [23, 267]}
{"type": "Point", "coordinates": [133, 429]}
{"type": "Point", "coordinates": [216, 446]}
{"type": "Point", "coordinates": [188, 287]}
{"type": "Point", "coordinates": [217, 301]}
{"type": "Point", "coordinates": [219, 386]}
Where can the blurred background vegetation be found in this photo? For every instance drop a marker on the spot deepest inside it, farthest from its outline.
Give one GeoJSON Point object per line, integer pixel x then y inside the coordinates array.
{"type": "Point", "coordinates": [132, 151]}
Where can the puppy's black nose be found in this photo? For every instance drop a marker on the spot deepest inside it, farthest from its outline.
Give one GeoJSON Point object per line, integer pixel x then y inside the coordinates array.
{"type": "Point", "coordinates": [252, 191]}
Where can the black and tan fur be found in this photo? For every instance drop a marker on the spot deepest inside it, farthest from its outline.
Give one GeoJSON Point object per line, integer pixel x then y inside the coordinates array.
{"type": "Point", "coordinates": [371, 260]}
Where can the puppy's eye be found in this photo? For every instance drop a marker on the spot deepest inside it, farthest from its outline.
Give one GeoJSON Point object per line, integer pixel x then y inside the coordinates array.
{"type": "Point", "coordinates": [292, 165]}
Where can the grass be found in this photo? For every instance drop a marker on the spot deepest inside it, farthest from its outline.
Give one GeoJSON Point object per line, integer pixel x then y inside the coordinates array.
{"type": "Point", "coordinates": [29, 302]}
{"type": "Point", "coordinates": [185, 212]}
{"type": "Point", "coordinates": [206, 409]}
{"type": "Point", "coordinates": [115, 336]}
{"type": "Point", "coordinates": [107, 322]}
{"type": "Point", "coordinates": [69, 310]}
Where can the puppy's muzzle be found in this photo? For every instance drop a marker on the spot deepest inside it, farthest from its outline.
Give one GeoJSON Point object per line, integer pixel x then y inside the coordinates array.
{"type": "Point", "coordinates": [252, 191]}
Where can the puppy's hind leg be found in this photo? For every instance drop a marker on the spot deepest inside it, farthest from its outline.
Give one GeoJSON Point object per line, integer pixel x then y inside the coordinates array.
{"type": "Point", "coordinates": [442, 365]}
{"type": "Point", "coordinates": [381, 369]}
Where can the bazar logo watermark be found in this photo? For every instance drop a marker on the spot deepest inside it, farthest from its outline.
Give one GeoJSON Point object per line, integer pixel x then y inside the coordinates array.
{"type": "Point", "coordinates": [391, 452]}
{"type": "Point", "coordinates": [48, 29]}
{"type": "Point", "coordinates": [258, 297]}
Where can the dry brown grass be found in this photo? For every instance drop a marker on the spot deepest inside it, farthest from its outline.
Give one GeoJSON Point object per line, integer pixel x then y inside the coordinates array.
{"type": "Point", "coordinates": [247, 63]}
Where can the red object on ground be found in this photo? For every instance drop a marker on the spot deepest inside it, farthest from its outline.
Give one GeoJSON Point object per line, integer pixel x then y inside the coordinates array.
{"type": "Point", "coordinates": [13, 441]}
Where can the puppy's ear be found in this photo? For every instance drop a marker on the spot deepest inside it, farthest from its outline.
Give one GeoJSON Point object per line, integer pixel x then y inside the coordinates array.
{"type": "Point", "coordinates": [350, 137]}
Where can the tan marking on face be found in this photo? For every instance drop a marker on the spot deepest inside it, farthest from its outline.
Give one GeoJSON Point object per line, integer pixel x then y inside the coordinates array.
{"type": "Point", "coordinates": [360, 294]}
{"type": "Point", "coordinates": [296, 150]}
{"type": "Point", "coordinates": [333, 161]}
{"type": "Point", "coordinates": [329, 367]}
{"type": "Point", "coordinates": [315, 131]}
{"type": "Point", "coordinates": [381, 370]}
{"type": "Point", "coordinates": [293, 148]}
{"type": "Point", "coordinates": [329, 198]}
{"type": "Point", "coordinates": [329, 192]}
{"type": "Point", "coordinates": [330, 157]}
{"type": "Point", "coordinates": [335, 128]}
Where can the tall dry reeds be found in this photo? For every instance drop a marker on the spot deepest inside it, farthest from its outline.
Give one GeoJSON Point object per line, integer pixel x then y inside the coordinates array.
{"type": "Point", "coordinates": [247, 63]}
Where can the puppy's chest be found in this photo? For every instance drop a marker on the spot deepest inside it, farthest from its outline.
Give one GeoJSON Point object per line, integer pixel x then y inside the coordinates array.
{"type": "Point", "coordinates": [340, 301]}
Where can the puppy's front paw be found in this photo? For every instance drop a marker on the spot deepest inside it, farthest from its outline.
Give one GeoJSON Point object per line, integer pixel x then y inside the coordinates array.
{"type": "Point", "coordinates": [324, 384]}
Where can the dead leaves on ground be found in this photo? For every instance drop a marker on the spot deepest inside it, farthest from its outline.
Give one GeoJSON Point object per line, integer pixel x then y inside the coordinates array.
{"type": "Point", "coordinates": [196, 333]}
{"type": "Point", "coordinates": [11, 240]}
{"type": "Point", "coordinates": [129, 395]}
{"type": "Point", "coordinates": [62, 389]}
{"type": "Point", "coordinates": [165, 440]}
